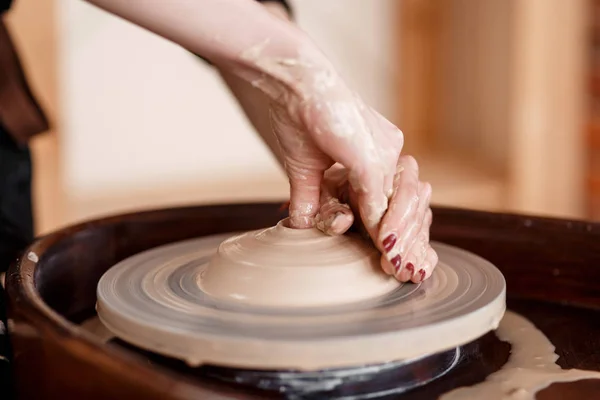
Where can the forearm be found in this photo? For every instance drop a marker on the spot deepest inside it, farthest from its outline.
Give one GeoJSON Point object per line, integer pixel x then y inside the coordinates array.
{"type": "Point", "coordinates": [254, 103]}
{"type": "Point", "coordinates": [235, 35]}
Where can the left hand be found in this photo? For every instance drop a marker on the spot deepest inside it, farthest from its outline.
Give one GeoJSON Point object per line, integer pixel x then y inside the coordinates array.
{"type": "Point", "coordinates": [404, 229]}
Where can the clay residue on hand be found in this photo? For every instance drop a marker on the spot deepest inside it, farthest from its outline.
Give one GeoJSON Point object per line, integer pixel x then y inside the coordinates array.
{"type": "Point", "coordinates": [302, 216]}
{"type": "Point", "coordinates": [376, 212]}
{"type": "Point", "coordinates": [315, 112]}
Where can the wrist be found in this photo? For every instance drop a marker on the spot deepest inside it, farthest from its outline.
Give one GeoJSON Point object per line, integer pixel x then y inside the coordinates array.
{"type": "Point", "coordinates": [293, 65]}
{"type": "Point", "coordinates": [285, 63]}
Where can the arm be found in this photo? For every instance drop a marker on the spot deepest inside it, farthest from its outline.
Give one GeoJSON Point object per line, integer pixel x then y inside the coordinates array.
{"type": "Point", "coordinates": [318, 121]}
{"type": "Point", "coordinates": [239, 36]}
{"type": "Point", "coordinates": [254, 103]}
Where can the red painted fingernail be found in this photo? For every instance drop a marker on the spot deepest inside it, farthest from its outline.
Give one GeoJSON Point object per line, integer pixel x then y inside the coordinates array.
{"type": "Point", "coordinates": [397, 262]}
{"type": "Point", "coordinates": [422, 273]}
{"type": "Point", "coordinates": [411, 268]}
{"type": "Point", "coordinates": [389, 242]}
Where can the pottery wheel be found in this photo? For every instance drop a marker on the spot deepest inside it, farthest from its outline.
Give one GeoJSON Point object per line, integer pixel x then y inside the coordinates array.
{"type": "Point", "coordinates": [169, 300]}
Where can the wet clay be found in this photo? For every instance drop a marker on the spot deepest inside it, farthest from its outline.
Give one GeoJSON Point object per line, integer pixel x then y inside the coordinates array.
{"type": "Point", "coordinates": [283, 267]}
{"type": "Point", "coordinates": [159, 301]}
{"type": "Point", "coordinates": [530, 368]}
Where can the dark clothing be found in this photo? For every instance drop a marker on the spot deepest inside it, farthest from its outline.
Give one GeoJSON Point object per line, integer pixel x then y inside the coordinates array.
{"type": "Point", "coordinates": [4, 5]}
{"type": "Point", "coordinates": [16, 221]}
{"type": "Point", "coordinates": [20, 118]}
{"type": "Point", "coordinates": [16, 228]}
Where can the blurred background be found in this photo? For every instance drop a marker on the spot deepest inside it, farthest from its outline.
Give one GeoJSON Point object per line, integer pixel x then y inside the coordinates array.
{"type": "Point", "coordinates": [495, 97]}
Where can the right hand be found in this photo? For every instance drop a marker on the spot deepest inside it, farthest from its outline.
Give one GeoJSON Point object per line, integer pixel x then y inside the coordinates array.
{"type": "Point", "coordinates": [318, 122]}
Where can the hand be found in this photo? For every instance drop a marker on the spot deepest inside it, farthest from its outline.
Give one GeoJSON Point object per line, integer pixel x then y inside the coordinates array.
{"type": "Point", "coordinates": [318, 122]}
{"type": "Point", "coordinates": [407, 253]}
{"type": "Point", "coordinates": [325, 124]}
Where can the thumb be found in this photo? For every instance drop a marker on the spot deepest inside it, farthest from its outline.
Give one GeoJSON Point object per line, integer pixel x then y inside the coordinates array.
{"type": "Point", "coordinates": [305, 191]}
{"type": "Point", "coordinates": [334, 217]}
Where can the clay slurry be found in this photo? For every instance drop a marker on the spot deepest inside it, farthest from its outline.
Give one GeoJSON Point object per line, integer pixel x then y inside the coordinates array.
{"type": "Point", "coordinates": [531, 366]}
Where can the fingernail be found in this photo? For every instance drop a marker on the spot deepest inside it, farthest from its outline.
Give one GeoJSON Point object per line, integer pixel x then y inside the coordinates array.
{"type": "Point", "coordinates": [422, 273]}
{"type": "Point", "coordinates": [410, 267]}
{"type": "Point", "coordinates": [333, 227]}
{"type": "Point", "coordinates": [397, 262]}
{"type": "Point", "coordinates": [389, 242]}
{"type": "Point", "coordinates": [336, 218]}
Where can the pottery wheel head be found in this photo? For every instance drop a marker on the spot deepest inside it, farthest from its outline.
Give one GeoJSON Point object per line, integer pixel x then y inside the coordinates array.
{"type": "Point", "coordinates": [282, 299]}
{"type": "Point", "coordinates": [283, 267]}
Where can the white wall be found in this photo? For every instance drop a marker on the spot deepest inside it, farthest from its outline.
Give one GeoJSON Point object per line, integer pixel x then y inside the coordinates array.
{"type": "Point", "coordinates": [139, 112]}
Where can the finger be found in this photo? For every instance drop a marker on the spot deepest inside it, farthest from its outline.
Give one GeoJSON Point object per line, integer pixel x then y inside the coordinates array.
{"type": "Point", "coordinates": [428, 266]}
{"type": "Point", "coordinates": [337, 223]}
{"type": "Point", "coordinates": [413, 226]}
{"type": "Point", "coordinates": [398, 225]}
{"type": "Point", "coordinates": [389, 140]}
{"type": "Point", "coordinates": [372, 201]}
{"type": "Point", "coordinates": [393, 138]}
{"type": "Point", "coordinates": [334, 217]}
{"type": "Point", "coordinates": [411, 236]}
{"type": "Point", "coordinates": [350, 141]}
{"type": "Point", "coordinates": [417, 252]}
{"type": "Point", "coordinates": [305, 191]}
{"type": "Point", "coordinates": [366, 175]}
{"type": "Point", "coordinates": [396, 137]}
{"type": "Point", "coordinates": [386, 265]}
